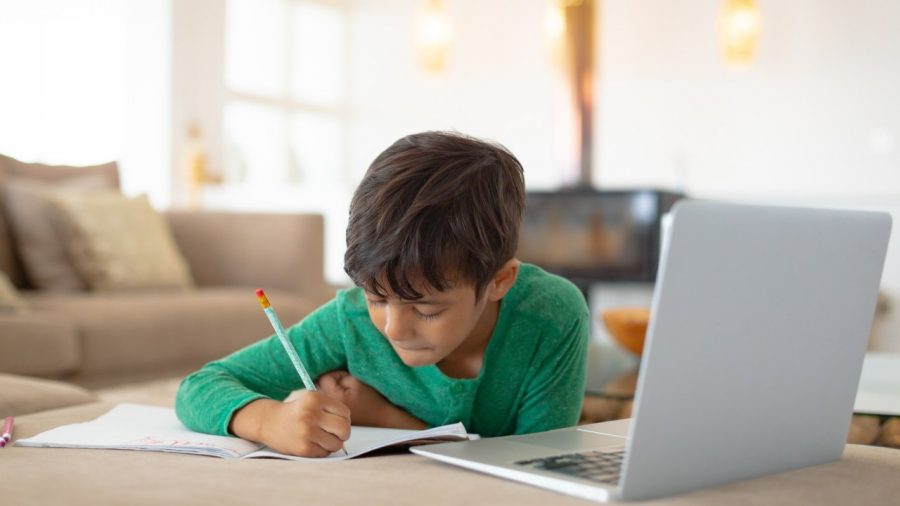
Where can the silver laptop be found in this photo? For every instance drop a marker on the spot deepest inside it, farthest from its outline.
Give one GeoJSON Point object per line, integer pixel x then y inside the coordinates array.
{"type": "Point", "coordinates": [759, 323]}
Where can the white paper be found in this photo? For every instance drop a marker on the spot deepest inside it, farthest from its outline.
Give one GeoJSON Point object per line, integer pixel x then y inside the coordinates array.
{"type": "Point", "coordinates": [152, 428]}
{"type": "Point", "coordinates": [139, 427]}
{"type": "Point", "coordinates": [879, 385]}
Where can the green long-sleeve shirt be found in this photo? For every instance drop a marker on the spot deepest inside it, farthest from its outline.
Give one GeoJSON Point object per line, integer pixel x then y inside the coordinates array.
{"type": "Point", "coordinates": [532, 376]}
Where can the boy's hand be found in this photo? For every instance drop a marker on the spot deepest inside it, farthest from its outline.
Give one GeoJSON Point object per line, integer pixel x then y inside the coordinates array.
{"type": "Point", "coordinates": [313, 425]}
{"type": "Point", "coordinates": [367, 406]}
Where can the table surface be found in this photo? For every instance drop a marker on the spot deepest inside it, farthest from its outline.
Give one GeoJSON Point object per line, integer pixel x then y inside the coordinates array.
{"type": "Point", "coordinates": [69, 476]}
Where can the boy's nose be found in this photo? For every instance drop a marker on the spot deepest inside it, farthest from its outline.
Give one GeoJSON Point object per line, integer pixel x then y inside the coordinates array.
{"type": "Point", "coordinates": [396, 325]}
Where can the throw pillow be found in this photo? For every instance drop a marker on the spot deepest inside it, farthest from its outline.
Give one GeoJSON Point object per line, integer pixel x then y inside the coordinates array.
{"type": "Point", "coordinates": [11, 168]}
{"type": "Point", "coordinates": [119, 243]}
{"type": "Point", "coordinates": [43, 255]}
{"type": "Point", "coordinates": [9, 297]}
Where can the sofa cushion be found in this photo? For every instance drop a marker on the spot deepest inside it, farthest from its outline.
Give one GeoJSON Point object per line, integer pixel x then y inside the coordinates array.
{"type": "Point", "coordinates": [29, 212]}
{"type": "Point", "coordinates": [23, 395]}
{"type": "Point", "coordinates": [37, 344]}
{"type": "Point", "coordinates": [119, 243]}
{"type": "Point", "coordinates": [10, 168]}
{"type": "Point", "coordinates": [10, 302]}
{"type": "Point", "coordinates": [125, 335]}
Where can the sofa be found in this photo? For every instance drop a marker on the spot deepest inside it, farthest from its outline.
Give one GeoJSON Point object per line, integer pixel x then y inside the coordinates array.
{"type": "Point", "coordinates": [864, 475]}
{"type": "Point", "coordinates": [101, 339]}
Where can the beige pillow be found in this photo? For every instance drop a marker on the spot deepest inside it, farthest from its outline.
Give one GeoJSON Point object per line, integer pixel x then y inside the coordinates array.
{"type": "Point", "coordinates": [119, 243]}
{"type": "Point", "coordinates": [9, 296]}
{"type": "Point", "coordinates": [10, 168]}
{"type": "Point", "coordinates": [29, 211]}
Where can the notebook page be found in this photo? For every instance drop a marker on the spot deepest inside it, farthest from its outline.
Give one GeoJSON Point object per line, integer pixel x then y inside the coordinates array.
{"type": "Point", "coordinates": [139, 427]}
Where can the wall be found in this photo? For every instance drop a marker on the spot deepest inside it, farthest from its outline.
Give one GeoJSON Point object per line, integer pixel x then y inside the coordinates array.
{"type": "Point", "coordinates": [499, 82]}
{"type": "Point", "coordinates": [815, 121]}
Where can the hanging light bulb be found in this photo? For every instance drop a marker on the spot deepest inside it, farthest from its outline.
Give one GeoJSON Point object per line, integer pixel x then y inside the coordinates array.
{"type": "Point", "coordinates": [739, 28]}
{"type": "Point", "coordinates": [433, 34]}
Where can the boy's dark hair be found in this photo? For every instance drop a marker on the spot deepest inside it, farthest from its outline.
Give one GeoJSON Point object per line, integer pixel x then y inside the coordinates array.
{"type": "Point", "coordinates": [434, 207]}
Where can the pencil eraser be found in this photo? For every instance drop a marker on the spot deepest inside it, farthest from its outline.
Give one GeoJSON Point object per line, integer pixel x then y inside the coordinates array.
{"type": "Point", "coordinates": [261, 297]}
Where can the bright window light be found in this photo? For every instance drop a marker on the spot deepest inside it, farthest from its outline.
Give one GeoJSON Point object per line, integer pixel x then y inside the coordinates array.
{"type": "Point", "coordinates": [255, 46]}
{"type": "Point", "coordinates": [316, 148]}
{"type": "Point", "coordinates": [86, 82]}
{"type": "Point", "coordinates": [317, 66]}
{"type": "Point", "coordinates": [255, 144]}
{"type": "Point", "coordinates": [285, 78]}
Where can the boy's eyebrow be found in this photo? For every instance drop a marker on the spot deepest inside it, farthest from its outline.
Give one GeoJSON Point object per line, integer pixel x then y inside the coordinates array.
{"type": "Point", "coordinates": [423, 301]}
{"type": "Point", "coordinates": [426, 302]}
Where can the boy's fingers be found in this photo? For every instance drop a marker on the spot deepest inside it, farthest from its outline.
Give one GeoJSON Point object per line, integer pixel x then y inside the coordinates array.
{"type": "Point", "coordinates": [314, 449]}
{"type": "Point", "coordinates": [328, 442]}
{"type": "Point", "coordinates": [327, 382]}
{"type": "Point", "coordinates": [347, 381]}
{"type": "Point", "coordinates": [336, 407]}
{"type": "Point", "coordinates": [335, 425]}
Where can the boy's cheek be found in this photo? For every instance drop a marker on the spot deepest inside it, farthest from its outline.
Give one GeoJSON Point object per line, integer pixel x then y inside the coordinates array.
{"type": "Point", "coordinates": [376, 320]}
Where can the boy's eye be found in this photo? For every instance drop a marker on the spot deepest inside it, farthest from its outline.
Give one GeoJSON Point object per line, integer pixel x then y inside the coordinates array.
{"type": "Point", "coordinates": [426, 316]}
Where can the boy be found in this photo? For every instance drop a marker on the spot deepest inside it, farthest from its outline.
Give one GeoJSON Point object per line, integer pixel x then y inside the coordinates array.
{"type": "Point", "coordinates": [444, 324]}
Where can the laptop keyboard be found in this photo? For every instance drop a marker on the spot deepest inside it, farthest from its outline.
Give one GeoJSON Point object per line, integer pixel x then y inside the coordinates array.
{"type": "Point", "coordinates": [601, 466]}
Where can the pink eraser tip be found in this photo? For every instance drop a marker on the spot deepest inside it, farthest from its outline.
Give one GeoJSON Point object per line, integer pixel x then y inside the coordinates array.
{"type": "Point", "coordinates": [260, 293]}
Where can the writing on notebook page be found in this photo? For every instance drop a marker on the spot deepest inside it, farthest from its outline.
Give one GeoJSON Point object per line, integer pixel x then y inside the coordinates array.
{"type": "Point", "coordinates": [150, 440]}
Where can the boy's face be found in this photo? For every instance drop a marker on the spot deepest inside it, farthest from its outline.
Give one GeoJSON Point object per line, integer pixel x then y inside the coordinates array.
{"type": "Point", "coordinates": [426, 331]}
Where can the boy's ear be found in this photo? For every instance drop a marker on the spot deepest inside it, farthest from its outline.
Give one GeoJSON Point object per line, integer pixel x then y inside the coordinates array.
{"type": "Point", "coordinates": [503, 280]}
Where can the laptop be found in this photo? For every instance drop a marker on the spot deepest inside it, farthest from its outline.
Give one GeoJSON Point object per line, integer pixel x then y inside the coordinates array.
{"type": "Point", "coordinates": [759, 323]}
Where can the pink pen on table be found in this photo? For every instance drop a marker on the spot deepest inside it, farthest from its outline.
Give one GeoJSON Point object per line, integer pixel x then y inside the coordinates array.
{"type": "Point", "coordinates": [7, 431]}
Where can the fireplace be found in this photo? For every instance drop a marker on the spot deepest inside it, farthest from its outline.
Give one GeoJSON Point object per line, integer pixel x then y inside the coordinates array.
{"type": "Point", "coordinates": [595, 236]}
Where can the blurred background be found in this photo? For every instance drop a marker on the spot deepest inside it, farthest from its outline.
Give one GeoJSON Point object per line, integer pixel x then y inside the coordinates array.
{"type": "Point", "coordinates": [280, 105]}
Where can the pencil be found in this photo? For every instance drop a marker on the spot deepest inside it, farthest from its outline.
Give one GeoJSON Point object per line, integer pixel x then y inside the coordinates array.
{"type": "Point", "coordinates": [288, 347]}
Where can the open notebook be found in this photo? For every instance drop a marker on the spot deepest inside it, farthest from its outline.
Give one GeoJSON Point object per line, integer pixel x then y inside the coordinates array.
{"type": "Point", "coordinates": [152, 428]}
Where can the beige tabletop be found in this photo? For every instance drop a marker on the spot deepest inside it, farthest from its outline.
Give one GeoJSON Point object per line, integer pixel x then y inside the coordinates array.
{"type": "Point", "coordinates": [865, 475]}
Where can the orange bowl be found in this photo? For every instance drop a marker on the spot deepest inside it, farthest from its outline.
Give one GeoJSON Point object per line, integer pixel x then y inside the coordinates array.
{"type": "Point", "coordinates": [627, 326]}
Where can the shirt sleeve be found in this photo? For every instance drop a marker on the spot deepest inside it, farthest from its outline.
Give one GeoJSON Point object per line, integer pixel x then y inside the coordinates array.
{"type": "Point", "coordinates": [208, 398]}
{"type": "Point", "coordinates": [556, 391]}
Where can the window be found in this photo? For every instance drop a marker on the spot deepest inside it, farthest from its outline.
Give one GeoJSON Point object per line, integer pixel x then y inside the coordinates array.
{"type": "Point", "coordinates": [86, 82]}
{"type": "Point", "coordinates": [284, 112]}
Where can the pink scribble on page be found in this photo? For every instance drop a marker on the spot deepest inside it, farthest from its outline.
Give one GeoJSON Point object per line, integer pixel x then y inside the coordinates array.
{"type": "Point", "coordinates": [175, 444]}
{"type": "Point", "coordinates": [152, 441]}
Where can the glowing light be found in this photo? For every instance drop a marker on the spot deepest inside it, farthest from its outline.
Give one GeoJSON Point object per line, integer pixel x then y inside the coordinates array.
{"type": "Point", "coordinates": [434, 32]}
{"type": "Point", "coordinates": [739, 28]}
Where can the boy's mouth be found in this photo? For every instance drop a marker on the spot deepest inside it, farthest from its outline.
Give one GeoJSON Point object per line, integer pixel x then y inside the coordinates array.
{"type": "Point", "coordinates": [408, 348]}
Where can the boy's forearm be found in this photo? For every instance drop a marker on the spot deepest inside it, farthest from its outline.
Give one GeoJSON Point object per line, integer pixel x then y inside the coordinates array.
{"type": "Point", "coordinates": [246, 423]}
{"type": "Point", "coordinates": [398, 418]}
